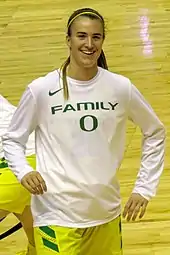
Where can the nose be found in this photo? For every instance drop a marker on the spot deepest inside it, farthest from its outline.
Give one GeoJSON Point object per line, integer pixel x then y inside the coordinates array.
{"type": "Point", "coordinates": [90, 42]}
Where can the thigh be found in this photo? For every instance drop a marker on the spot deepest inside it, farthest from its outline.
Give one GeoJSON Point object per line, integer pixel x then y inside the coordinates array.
{"type": "Point", "coordinates": [114, 235]}
{"type": "Point", "coordinates": [50, 240]}
{"type": "Point", "coordinates": [103, 239]}
{"type": "Point", "coordinates": [99, 240]}
{"type": "Point", "coordinates": [13, 196]}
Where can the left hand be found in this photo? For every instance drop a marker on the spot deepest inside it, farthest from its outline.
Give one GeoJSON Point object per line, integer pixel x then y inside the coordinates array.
{"type": "Point", "coordinates": [135, 206]}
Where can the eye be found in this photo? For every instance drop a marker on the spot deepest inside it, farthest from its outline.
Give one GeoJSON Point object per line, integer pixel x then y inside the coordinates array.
{"type": "Point", "coordinates": [81, 36]}
{"type": "Point", "coordinates": [96, 37]}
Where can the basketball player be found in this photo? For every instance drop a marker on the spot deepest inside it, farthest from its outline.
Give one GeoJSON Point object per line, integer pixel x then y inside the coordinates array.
{"type": "Point", "coordinates": [79, 115]}
{"type": "Point", "coordinates": [14, 198]}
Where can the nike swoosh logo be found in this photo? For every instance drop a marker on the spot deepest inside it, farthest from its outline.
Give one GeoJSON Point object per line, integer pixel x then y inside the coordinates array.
{"type": "Point", "coordinates": [52, 93]}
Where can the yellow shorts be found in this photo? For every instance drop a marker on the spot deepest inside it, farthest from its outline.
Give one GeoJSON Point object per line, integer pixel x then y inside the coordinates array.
{"type": "Point", "coordinates": [13, 196]}
{"type": "Point", "coordinates": [105, 239]}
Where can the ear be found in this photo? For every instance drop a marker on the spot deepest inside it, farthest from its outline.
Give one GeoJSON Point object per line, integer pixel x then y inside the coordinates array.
{"type": "Point", "coordinates": [68, 41]}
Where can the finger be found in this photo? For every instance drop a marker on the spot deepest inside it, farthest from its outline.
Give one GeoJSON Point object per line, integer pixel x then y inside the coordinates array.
{"type": "Point", "coordinates": [136, 212]}
{"type": "Point", "coordinates": [143, 210]}
{"type": "Point", "coordinates": [41, 180]}
{"type": "Point", "coordinates": [127, 206]}
{"type": "Point", "coordinates": [131, 210]}
{"type": "Point", "coordinates": [129, 214]}
{"type": "Point", "coordinates": [37, 184]}
{"type": "Point", "coordinates": [33, 185]}
{"type": "Point", "coordinates": [28, 187]}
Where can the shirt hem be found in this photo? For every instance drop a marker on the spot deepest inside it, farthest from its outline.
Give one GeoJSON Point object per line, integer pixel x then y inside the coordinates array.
{"type": "Point", "coordinates": [76, 225]}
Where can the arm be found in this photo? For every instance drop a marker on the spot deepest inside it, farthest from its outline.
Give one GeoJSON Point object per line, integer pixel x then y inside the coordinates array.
{"type": "Point", "coordinates": [153, 149]}
{"type": "Point", "coordinates": [15, 139]}
{"type": "Point", "coordinates": [153, 145]}
{"type": "Point", "coordinates": [23, 123]}
{"type": "Point", "coordinates": [6, 112]}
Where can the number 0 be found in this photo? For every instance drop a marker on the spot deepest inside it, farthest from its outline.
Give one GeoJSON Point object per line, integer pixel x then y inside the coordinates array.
{"type": "Point", "coordinates": [83, 123]}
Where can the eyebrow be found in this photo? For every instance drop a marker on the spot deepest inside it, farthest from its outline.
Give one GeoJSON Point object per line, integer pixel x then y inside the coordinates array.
{"type": "Point", "coordinates": [84, 33]}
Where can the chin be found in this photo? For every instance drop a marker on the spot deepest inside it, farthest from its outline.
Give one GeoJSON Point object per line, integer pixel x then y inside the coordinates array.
{"type": "Point", "coordinates": [89, 65]}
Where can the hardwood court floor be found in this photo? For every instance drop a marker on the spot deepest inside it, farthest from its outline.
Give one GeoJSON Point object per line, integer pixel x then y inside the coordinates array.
{"type": "Point", "coordinates": [32, 42]}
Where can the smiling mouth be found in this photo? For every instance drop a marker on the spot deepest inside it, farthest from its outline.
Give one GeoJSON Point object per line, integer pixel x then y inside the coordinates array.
{"type": "Point", "coordinates": [89, 53]}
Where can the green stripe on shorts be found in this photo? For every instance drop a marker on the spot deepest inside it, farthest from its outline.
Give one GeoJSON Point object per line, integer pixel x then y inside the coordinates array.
{"type": "Point", "coordinates": [50, 245]}
{"type": "Point", "coordinates": [47, 230]}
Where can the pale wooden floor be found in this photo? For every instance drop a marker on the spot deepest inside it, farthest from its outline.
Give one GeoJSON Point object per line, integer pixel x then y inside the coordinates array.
{"type": "Point", "coordinates": [32, 42]}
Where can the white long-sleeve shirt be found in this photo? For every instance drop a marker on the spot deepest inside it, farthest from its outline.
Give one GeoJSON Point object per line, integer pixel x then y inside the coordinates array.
{"type": "Point", "coordinates": [80, 145]}
{"type": "Point", "coordinates": [6, 113]}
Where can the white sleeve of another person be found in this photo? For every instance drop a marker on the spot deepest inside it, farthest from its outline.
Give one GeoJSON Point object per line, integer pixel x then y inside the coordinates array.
{"type": "Point", "coordinates": [16, 137]}
{"type": "Point", "coordinates": [6, 112]}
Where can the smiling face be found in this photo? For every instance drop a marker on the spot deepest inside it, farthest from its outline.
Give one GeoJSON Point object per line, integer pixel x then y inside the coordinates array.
{"type": "Point", "coordinates": [85, 42]}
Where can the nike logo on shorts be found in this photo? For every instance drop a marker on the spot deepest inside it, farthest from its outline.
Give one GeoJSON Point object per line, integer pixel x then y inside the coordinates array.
{"type": "Point", "coordinates": [52, 93]}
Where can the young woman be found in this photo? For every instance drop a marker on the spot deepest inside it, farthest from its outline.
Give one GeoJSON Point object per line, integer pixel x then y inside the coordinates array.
{"type": "Point", "coordinates": [79, 115]}
{"type": "Point", "coordinates": [14, 198]}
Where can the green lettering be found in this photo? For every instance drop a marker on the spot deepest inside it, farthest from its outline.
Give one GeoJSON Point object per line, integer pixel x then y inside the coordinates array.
{"type": "Point", "coordinates": [97, 106]}
{"type": "Point", "coordinates": [69, 107]}
{"type": "Point", "coordinates": [56, 108]}
{"type": "Point", "coordinates": [85, 106]}
{"type": "Point", "coordinates": [94, 123]}
{"type": "Point", "coordinates": [103, 107]}
{"type": "Point", "coordinates": [113, 105]}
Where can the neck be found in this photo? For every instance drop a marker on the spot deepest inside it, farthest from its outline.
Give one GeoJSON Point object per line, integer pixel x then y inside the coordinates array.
{"type": "Point", "coordinates": [81, 74]}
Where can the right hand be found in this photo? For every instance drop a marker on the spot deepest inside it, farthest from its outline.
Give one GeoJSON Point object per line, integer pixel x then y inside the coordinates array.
{"type": "Point", "coordinates": [34, 183]}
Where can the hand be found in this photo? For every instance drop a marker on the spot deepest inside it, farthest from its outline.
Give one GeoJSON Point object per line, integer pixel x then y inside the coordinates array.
{"type": "Point", "coordinates": [34, 183]}
{"type": "Point", "coordinates": [135, 206]}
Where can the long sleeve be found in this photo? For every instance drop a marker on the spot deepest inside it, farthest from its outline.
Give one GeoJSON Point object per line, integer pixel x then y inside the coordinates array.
{"type": "Point", "coordinates": [16, 137]}
{"type": "Point", "coordinates": [6, 112]}
{"type": "Point", "coordinates": [153, 144]}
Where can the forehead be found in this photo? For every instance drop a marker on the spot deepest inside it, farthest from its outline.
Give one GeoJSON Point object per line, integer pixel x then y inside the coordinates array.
{"type": "Point", "coordinates": [88, 25]}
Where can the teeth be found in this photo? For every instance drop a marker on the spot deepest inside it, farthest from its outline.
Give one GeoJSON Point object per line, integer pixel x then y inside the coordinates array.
{"type": "Point", "coordinates": [87, 52]}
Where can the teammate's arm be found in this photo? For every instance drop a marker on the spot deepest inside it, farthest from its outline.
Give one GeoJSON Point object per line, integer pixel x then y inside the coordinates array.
{"type": "Point", "coordinates": [24, 121]}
